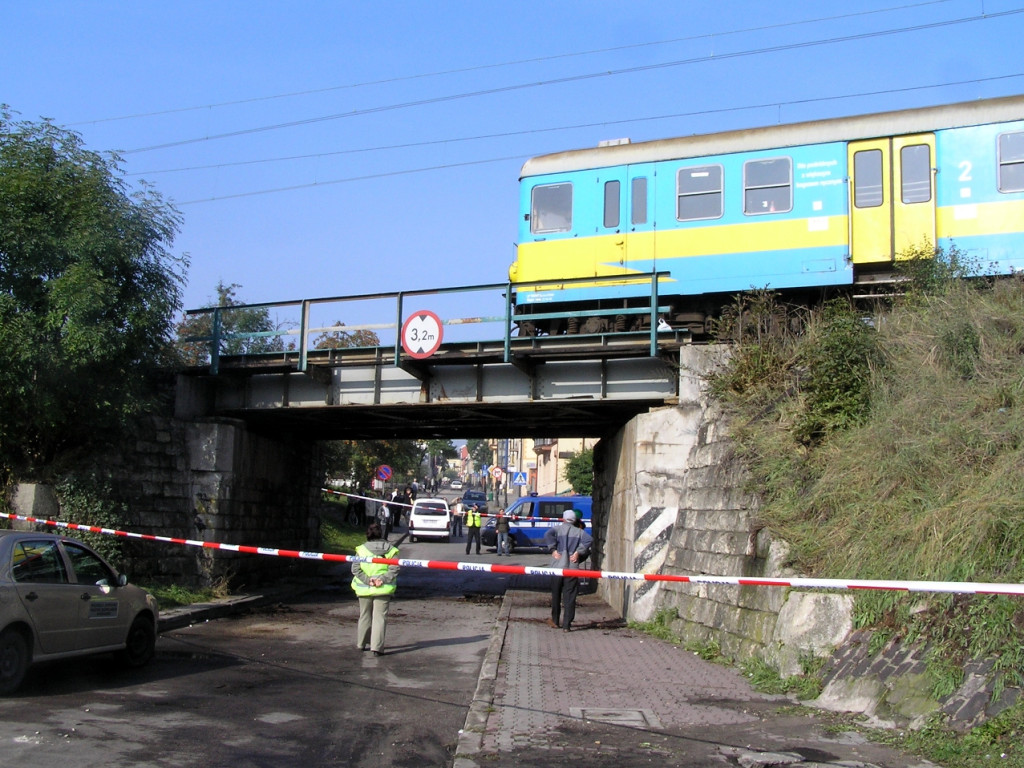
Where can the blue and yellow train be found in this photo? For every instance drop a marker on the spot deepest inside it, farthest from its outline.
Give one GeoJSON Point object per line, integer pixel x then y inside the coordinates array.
{"type": "Point", "coordinates": [803, 209]}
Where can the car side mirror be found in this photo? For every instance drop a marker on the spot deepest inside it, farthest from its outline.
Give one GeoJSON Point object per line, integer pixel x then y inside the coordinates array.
{"type": "Point", "coordinates": [122, 580]}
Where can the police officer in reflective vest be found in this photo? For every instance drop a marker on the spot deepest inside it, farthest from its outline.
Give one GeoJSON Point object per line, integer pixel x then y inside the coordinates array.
{"type": "Point", "coordinates": [374, 584]}
{"type": "Point", "coordinates": [473, 527]}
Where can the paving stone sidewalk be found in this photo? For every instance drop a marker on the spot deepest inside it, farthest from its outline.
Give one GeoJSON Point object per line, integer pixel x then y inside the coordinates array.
{"type": "Point", "coordinates": [610, 695]}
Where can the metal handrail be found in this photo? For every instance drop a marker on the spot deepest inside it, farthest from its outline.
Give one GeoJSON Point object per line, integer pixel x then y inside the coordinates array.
{"type": "Point", "coordinates": [219, 335]}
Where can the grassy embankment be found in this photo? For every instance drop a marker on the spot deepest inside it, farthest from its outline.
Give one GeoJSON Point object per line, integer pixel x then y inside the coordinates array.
{"type": "Point", "coordinates": [891, 446]}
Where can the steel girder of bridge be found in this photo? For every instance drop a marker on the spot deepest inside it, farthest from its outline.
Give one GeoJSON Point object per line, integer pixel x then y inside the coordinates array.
{"type": "Point", "coordinates": [546, 386]}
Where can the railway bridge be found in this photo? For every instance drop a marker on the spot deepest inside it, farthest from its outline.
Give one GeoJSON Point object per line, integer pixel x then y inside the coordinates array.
{"type": "Point", "coordinates": [260, 396]}
{"type": "Point", "coordinates": [408, 368]}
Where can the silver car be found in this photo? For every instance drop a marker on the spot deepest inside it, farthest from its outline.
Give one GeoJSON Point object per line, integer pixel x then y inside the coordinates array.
{"type": "Point", "coordinates": [59, 599]}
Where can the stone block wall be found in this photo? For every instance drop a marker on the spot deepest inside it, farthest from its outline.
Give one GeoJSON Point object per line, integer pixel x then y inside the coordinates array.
{"type": "Point", "coordinates": [670, 498]}
{"type": "Point", "coordinates": [208, 480]}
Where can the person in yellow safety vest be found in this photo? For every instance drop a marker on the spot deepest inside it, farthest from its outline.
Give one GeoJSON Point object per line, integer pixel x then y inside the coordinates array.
{"type": "Point", "coordinates": [473, 527]}
{"type": "Point", "coordinates": [374, 584]}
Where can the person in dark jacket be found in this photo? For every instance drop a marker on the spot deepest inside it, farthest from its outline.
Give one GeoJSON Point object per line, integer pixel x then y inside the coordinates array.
{"type": "Point", "coordinates": [568, 545]}
{"type": "Point", "coordinates": [502, 528]}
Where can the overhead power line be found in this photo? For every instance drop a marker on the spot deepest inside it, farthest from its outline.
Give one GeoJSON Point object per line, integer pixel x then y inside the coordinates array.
{"type": "Point", "coordinates": [576, 78]}
{"type": "Point", "coordinates": [576, 126]}
{"type": "Point", "coordinates": [518, 62]}
{"type": "Point", "coordinates": [409, 171]}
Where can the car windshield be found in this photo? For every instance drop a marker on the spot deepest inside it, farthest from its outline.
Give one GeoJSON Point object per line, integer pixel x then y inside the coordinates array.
{"type": "Point", "coordinates": [474, 496]}
{"type": "Point", "coordinates": [430, 509]}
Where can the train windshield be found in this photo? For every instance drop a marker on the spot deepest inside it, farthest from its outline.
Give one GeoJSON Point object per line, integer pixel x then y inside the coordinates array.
{"type": "Point", "coordinates": [551, 208]}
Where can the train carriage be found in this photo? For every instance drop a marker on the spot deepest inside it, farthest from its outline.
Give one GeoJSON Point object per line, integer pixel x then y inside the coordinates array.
{"type": "Point", "coordinates": [802, 209]}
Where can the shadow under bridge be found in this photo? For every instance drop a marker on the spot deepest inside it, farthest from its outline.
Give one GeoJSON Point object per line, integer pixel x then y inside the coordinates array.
{"type": "Point", "coordinates": [322, 381]}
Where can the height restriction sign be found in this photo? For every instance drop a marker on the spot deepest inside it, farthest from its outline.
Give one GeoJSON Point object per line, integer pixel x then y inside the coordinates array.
{"type": "Point", "coordinates": [421, 334]}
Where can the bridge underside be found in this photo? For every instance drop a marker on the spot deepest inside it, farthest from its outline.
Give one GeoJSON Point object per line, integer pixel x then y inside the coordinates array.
{"type": "Point", "coordinates": [446, 421]}
{"type": "Point", "coordinates": [459, 393]}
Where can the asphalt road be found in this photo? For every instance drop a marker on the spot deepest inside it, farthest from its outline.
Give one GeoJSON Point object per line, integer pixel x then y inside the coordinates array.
{"type": "Point", "coordinates": [280, 685]}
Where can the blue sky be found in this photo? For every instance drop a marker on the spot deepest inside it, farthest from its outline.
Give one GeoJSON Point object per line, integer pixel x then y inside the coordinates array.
{"type": "Point", "coordinates": [329, 148]}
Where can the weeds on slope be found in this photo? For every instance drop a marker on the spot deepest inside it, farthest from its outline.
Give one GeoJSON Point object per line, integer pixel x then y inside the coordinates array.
{"type": "Point", "coordinates": [889, 444]}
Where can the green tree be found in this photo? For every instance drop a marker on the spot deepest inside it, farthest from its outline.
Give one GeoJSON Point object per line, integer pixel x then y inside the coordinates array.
{"type": "Point", "coordinates": [579, 472]}
{"type": "Point", "coordinates": [357, 460]}
{"type": "Point", "coordinates": [343, 339]}
{"type": "Point", "coordinates": [88, 291]}
{"type": "Point", "coordinates": [479, 452]}
{"type": "Point", "coordinates": [437, 453]}
{"type": "Point", "coordinates": [243, 329]}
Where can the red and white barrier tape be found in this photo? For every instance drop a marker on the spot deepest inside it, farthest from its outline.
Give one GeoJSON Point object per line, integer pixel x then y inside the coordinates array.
{"type": "Point", "coordinates": [956, 587]}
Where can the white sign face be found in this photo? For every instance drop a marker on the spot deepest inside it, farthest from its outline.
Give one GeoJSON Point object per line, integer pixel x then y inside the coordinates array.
{"type": "Point", "coordinates": [422, 334]}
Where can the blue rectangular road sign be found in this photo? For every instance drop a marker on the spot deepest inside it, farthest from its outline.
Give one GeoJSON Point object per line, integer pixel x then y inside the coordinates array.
{"type": "Point", "coordinates": [519, 478]}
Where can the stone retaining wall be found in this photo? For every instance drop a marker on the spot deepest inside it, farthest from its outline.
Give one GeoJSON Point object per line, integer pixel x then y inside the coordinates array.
{"type": "Point", "coordinates": [211, 480]}
{"type": "Point", "coordinates": [670, 497]}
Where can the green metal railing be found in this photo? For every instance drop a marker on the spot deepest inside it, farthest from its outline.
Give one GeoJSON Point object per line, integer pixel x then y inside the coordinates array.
{"type": "Point", "coordinates": [294, 334]}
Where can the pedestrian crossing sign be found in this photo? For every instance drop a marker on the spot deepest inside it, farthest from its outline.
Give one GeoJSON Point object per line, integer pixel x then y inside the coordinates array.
{"type": "Point", "coordinates": [519, 478]}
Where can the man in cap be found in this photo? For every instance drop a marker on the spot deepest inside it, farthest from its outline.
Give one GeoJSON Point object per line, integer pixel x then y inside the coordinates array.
{"type": "Point", "coordinates": [568, 546]}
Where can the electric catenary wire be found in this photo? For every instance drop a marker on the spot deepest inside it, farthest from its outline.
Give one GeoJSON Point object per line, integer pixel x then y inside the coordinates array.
{"type": "Point", "coordinates": [953, 587]}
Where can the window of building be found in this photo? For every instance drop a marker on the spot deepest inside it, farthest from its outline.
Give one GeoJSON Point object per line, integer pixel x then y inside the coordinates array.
{"type": "Point", "coordinates": [699, 193]}
{"type": "Point", "coordinates": [611, 204]}
{"type": "Point", "coordinates": [768, 186]}
{"type": "Point", "coordinates": [916, 173]}
{"type": "Point", "coordinates": [1011, 162]}
{"type": "Point", "coordinates": [638, 200]}
{"type": "Point", "coordinates": [551, 208]}
{"type": "Point", "coordinates": [868, 191]}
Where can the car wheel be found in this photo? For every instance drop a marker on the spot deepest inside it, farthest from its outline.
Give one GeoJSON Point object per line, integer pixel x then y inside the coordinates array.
{"type": "Point", "coordinates": [13, 660]}
{"type": "Point", "coordinates": [140, 644]}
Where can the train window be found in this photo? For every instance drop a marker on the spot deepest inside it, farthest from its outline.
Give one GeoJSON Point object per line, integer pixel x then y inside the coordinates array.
{"type": "Point", "coordinates": [768, 186]}
{"type": "Point", "coordinates": [916, 173]}
{"type": "Point", "coordinates": [1011, 162]}
{"type": "Point", "coordinates": [611, 204]}
{"type": "Point", "coordinates": [699, 193]}
{"type": "Point", "coordinates": [551, 208]}
{"type": "Point", "coordinates": [638, 199]}
{"type": "Point", "coordinates": [868, 191]}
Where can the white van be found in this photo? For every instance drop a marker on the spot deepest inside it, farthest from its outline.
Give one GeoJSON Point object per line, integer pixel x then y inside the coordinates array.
{"type": "Point", "coordinates": [430, 519]}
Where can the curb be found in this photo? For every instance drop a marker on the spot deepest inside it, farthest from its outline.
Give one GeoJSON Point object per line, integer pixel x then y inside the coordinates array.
{"type": "Point", "coordinates": [472, 735]}
{"type": "Point", "coordinates": [186, 615]}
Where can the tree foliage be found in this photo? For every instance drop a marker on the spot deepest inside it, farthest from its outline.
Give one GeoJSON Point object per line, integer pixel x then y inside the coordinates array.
{"type": "Point", "coordinates": [88, 290]}
{"type": "Point", "coordinates": [579, 472]}
{"type": "Point", "coordinates": [243, 330]}
{"type": "Point", "coordinates": [356, 461]}
{"type": "Point", "coordinates": [344, 339]}
{"type": "Point", "coordinates": [479, 452]}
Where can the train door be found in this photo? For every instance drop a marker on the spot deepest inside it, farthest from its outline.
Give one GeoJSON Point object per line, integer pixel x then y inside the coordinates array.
{"type": "Point", "coordinates": [640, 254]}
{"type": "Point", "coordinates": [612, 189]}
{"type": "Point", "coordinates": [627, 200]}
{"type": "Point", "coordinates": [892, 196]}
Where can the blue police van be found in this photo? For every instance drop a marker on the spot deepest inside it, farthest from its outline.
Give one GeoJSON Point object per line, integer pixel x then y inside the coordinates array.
{"type": "Point", "coordinates": [532, 516]}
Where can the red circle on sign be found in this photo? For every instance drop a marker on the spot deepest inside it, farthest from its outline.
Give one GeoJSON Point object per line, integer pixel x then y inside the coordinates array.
{"type": "Point", "coordinates": [422, 334]}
